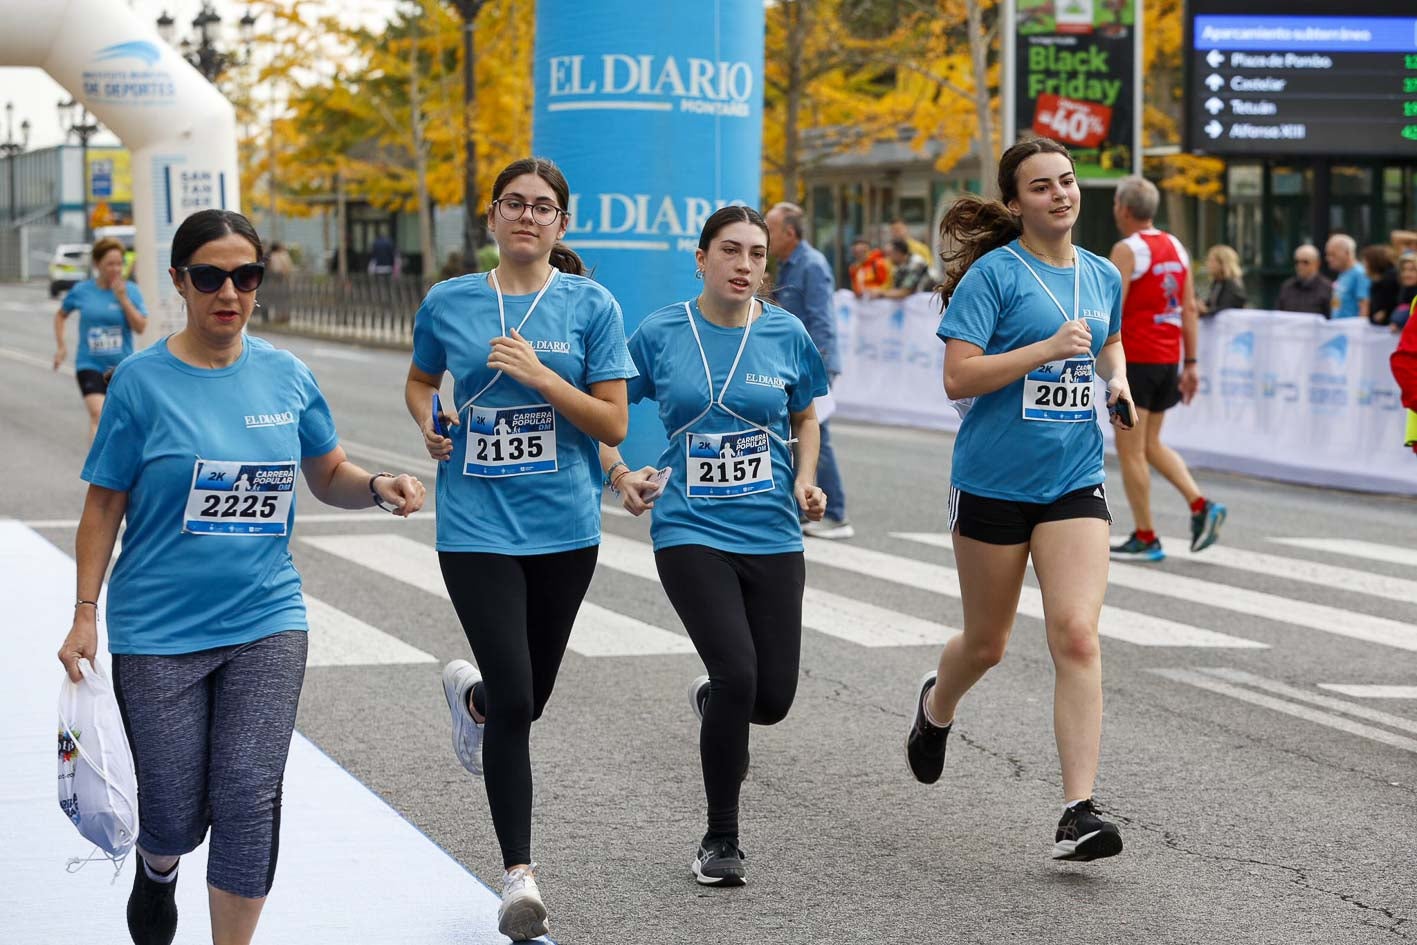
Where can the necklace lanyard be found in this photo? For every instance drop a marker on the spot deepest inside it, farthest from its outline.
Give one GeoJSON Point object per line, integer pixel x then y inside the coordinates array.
{"type": "Point", "coordinates": [1077, 284]}
{"type": "Point", "coordinates": [502, 320]}
{"type": "Point", "coordinates": [708, 375]}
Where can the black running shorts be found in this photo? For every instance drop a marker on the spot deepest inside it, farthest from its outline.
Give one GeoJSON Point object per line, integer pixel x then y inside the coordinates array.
{"type": "Point", "coordinates": [1004, 522]}
{"type": "Point", "coordinates": [1155, 387]}
{"type": "Point", "coordinates": [91, 382]}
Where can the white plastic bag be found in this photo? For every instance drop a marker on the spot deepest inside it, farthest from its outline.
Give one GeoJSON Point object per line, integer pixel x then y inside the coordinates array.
{"type": "Point", "coordinates": [98, 791]}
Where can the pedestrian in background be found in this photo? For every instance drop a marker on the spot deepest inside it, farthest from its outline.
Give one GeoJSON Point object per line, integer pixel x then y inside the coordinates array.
{"type": "Point", "coordinates": [1227, 288]}
{"type": "Point", "coordinates": [1158, 328]}
{"type": "Point", "coordinates": [111, 309]}
{"type": "Point", "coordinates": [804, 287]}
{"type": "Point", "coordinates": [1350, 283]}
{"type": "Point", "coordinates": [1383, 290]}
{"type": "Point", "coordinates": [870, 271]}
{"type": "Point", "coordinates": [1406, 290]}
{"type": "Point", "coordinates": [1308, 290]}
{"type": "Point", "coordinates": [910, 273]}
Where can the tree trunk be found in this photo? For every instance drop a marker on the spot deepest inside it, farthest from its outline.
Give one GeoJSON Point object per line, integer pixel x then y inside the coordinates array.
{"type": "Point", "coordinates": [798, 15]}
{"type": "Point", "coordinates": [342, 228]}
{"type": "Point", "coordinates": [983, 104]}
{"type": "Point", "coordinates": [420, 156]}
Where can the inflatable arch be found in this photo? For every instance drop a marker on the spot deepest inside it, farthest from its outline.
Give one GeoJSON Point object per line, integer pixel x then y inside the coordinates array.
{"type": "Point", "coordinates": [180, 130]}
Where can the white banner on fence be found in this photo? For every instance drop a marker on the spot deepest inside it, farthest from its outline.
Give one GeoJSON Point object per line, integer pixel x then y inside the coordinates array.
{"type": "Point", "coordinates": [1282, 395]}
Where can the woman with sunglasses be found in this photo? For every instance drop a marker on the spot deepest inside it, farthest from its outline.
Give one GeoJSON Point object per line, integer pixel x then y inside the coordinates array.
{"type": "Point", "coordinates": [197, 451]}
{"type": "Point", "coordinates": [538, 359]}
{"type": "Point", "coordinates": [110, 309]}
{"type": "Point", "coordinates": [727, 542]}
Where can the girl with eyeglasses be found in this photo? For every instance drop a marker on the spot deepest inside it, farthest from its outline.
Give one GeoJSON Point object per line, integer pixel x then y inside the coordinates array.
{"type": "Point", "coordinates": [110, 309]}
{"type": "Point", "coordinates": [734, 378]}
{"type": "Point", "coordinates": [538, 359]}
{"type": "Point", "coordinates": [198, 449]}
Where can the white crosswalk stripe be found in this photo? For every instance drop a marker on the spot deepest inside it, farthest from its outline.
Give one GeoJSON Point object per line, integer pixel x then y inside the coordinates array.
{"type": "Point", "coordinates": [1321, 617]}
{"type": "Point", "coordinates": [598, 631]}
{"type": "Point", "coordinates": [341, 639]}
{"type": "Point", "coordinates": [1370, 550]}
{"type": "Point", "coordinates": [1320, 574]}
{"type": "Point", "coordinates": [832, 614]}
{"type": "Point", "coordinates": [1119, 624]}
{"type": "Point", "coordinates": [1369, 691]}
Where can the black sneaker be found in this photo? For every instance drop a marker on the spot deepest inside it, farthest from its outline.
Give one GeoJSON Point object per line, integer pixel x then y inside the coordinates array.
{"type": "Point", "coordinates": [1134, 549]}
{"type": "Point", "coordinates": [1205, 525]}
{"type": "Point", "coordinates": [152, 909]}
{"type": "Point", "coordinates": [720, 863]}
{"type": "Point", "coordinates": [925, 744]}
{"type": "Point", "coordinates": [1082, 835]}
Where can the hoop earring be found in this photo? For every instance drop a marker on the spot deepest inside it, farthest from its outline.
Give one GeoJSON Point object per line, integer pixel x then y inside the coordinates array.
{"type": "Point", "coordinates": [698, 273]}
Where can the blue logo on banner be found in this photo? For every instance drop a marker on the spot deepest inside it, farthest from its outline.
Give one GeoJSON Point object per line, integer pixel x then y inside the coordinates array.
{"type": "Point", "coordinates": [654, 113]}
{"type": "Point", "coordinates": [1237, 371]}
{"type": "Point", "coordinates": [1328, 382]}
{"type": "Point", "coordinates": [146, 53]}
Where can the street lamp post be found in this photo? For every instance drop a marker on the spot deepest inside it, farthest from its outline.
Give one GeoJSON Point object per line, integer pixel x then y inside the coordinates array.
{"type": "Point", "coordinates": [474, 231]}
{"type": "Point", "coordinates": [202, 52]}
{"type": "Point", "coordinates": [12, 147]}
{"type": "Point", "coordinates": [74, 118]}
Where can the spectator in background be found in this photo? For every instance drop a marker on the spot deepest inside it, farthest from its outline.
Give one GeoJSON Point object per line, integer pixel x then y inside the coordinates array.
{"type": "Point", "coordinates": [1222, 264]}
{"type": "Point", "coordinates": [1382, 286]}
{"type": "Point", "coordinates": [452, 267]}
{"type": "Point", "coordinates": [899, 231]}
{"type": "Point", "coordinates": [383, 258]}
{"type": "Point", "coordinates": [1404, 241]}
{"type": "Point", "coordinates": [278, 262]}
{"type": "Point", "coordinates": [1350, 283]}
{"type": "Point", "coordinates": [870, 271]}
{"type": "Point", "coordinates": [804, 287]}
{"type": "Point", "coordinates": [1406, 290]}
{"type": "Point", "coordinates": [910, 272]}
{"type": "Point", "coordinates": [1308, 290]}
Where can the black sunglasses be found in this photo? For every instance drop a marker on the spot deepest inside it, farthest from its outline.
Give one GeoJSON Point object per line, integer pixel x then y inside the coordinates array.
{"type": "Point", "coordinates": [209, 279]}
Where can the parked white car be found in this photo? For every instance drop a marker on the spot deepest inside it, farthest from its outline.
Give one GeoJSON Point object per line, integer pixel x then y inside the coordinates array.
{"type": "Point", "coordinates": [68, 267]}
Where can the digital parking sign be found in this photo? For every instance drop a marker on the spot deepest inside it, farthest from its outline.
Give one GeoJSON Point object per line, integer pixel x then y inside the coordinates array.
{"type": "Point", "coordinates": [1314, 78]}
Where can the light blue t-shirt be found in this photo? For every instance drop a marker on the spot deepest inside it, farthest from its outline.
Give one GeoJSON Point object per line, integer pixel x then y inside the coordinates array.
{"type": "Point", "coordinates": [104, 335]}
{"type": "Point", "coordinates": [780, 373]}
{"type": "Point", "coordinates": [1349, 289]}
{"type": "Point", "coordinates": [999, 307]}
{"type": "Point", "coordinates": [222, 443]}
{"type": "Point", "coordinates": [578, 332]}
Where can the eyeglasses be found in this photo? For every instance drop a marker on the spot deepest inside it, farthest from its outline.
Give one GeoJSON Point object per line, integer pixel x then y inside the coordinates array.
{"type": "Point", "coordinates": [1305, 262]}
{"type": "Point", "coordinates": [209, 279]}
{"type": "Point", "coordinates": [511, 209]}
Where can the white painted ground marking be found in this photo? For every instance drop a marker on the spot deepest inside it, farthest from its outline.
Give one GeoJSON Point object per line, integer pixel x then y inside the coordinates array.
{"type": "Point", "coordinates": [1353, 548]}
{"type": "Point", "coordinates": [420, 466]}
{"type": "Point", "coordinates": [1132, 627]}
{"type": "Point", "coordinates": [24, 357]}
{"type": "Point", "coordinates": [1317, 573]}
{"type": "Point", "coordinates": [618, 511]}
{"type": "Point", "coordinates": [383, 881]}
{"type": "Point", "coordinates": [340, 354]}
{"type": "Point", "coordinates": [1203, 681]}
{"type": "Point", "coordinates": [832, 614]}
{"type": "Point", "coordinates": [341, 639]}
{"type": "Point", "coordinates": [1163, 583]}
{"type": "Point", "coordinates": [598, 631]}
{"type": "Point", "coordinates": [1371, 691]}
{"type": "Point", "coordinates": [371, 516]}
{"type": "Point", "coordinates": [1243, 678]}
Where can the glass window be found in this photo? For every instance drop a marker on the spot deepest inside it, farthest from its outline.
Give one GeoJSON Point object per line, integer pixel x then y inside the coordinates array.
{"type": "Point", "coordinates": [1350, 180]}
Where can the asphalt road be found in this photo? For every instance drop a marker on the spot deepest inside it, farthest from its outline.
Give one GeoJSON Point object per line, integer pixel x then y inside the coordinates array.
{"type": "Point", "coordinates": [1257, 807]}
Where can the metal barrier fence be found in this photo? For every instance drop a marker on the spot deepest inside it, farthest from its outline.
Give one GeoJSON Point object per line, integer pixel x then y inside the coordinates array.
{"type": "Point", "coordinates": [359, 307]}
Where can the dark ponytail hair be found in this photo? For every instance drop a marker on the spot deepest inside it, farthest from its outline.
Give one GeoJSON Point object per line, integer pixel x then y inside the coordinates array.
{"type": "Point", "coordinates": [562, 256]}
{"type": "Point", "coordinates": [733, 213]}
{"type": "Point", "coordinates": [203, 227]}
{"type": "Point", "coordinates": [974, 225]}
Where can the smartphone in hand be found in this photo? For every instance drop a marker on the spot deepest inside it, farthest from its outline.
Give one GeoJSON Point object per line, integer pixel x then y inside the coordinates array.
{"type": "Point", "coordinates": [438, 426]}
{"type": "Point", "coordinates": [1122, 409]}
{"type": "Point", "coordinates": [659, 480]}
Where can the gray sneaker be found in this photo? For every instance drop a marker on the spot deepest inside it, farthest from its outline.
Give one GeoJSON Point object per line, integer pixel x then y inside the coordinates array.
{"type": "Point", "coordinates": [459, 677]}
{"type": "Point", "coordinates": [829, 528]}
{"type": "Point", "coordinates": [698, 696]}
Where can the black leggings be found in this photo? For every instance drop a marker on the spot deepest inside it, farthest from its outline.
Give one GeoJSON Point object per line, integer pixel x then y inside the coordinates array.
{"type": "Point", "coordinates": [517, 612]}
{"type": "Point", "coordinates": [744, 614]}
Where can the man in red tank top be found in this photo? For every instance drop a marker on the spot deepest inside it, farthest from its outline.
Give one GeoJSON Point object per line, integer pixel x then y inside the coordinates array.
{"type": "Point", "coordinates": [1158, 326]}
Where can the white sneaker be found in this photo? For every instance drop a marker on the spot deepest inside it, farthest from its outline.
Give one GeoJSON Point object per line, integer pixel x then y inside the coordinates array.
{"type": "Point", "coordinates": [522, 914]}
{"type": "Point", "coordinates": [459, 677]}
{"type": "Point", "coordinates": [698, 695]}
{"type": "Point", "coordinates": [829, 528]}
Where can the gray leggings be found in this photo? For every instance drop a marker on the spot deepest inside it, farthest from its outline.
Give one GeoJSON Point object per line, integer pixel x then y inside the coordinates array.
{"type": "Point", "coordinates": [210, 733]}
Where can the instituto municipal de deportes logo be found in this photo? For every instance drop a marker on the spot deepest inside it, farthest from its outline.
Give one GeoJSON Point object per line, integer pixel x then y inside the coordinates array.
{"type": "Point", "coordinates": [126, 74]}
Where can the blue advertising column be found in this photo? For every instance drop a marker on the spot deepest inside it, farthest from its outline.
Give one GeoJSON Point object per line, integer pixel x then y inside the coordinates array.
{"type": "Point", "coordinates": [654, 112]}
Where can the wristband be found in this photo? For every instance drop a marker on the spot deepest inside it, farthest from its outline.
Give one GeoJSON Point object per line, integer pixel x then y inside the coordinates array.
{"type": "Point", "coordinates": [1189, 361]}
{"type": "Point", "coordinates": [378, 500]}
{"type": "Point", "coordinates": [94, 603]}
{"type": "Point", "coordinates": [610, 478]}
